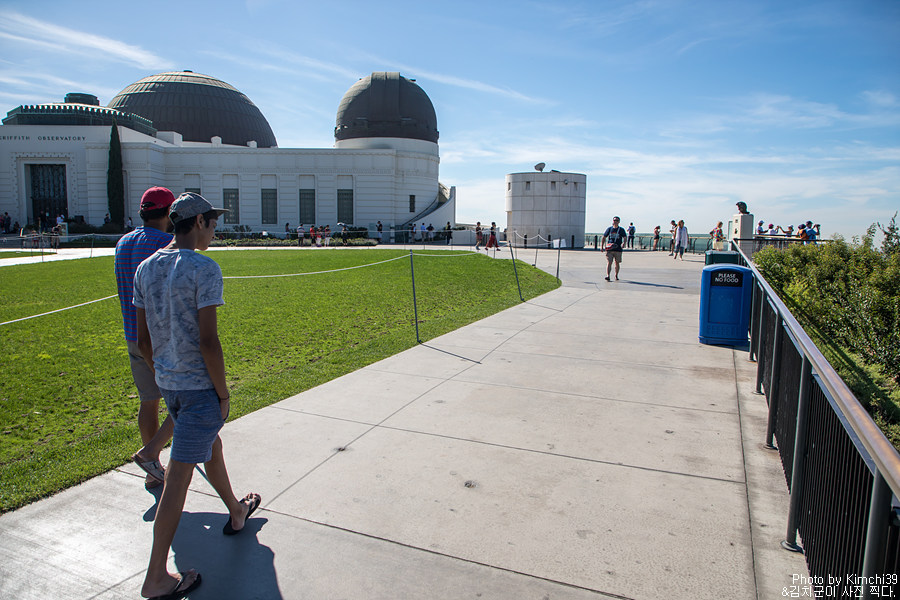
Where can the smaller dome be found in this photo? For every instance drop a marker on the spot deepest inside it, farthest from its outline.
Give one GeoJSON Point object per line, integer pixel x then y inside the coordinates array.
{"type": "Point", "coordinates": [386, 104]}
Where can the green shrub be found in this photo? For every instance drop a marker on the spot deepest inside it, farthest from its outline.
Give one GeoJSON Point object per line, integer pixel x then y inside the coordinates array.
{"type": "Point", "coordinates": [848, 295]}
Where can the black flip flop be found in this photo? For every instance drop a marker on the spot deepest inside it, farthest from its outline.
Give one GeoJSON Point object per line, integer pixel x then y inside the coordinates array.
{"type": "Point", "coordinates": [255, 501]}
{"type": "Point", "coordinates": [177, 594]}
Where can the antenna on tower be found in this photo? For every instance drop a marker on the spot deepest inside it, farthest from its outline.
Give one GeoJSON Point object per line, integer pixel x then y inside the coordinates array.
{"type": "Point", "coordinates": [539, 167]}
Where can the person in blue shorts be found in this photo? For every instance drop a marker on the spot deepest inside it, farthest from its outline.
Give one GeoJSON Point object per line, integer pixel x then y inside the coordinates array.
{"type": "Point", "coordinates": [176, 292]}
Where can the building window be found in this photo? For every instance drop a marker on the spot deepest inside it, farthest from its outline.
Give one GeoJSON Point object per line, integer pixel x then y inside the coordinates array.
{"type": "Point", "coordinates": [231, 198]}
{"type": "Point", "coordinates": [269, 206]}
{"type": "Point", "coordinates": [193, 190]}
{"type": "Point", "coordinates": [527, 185]}
{"type": "Point", "coordinates": [345, 206]}
{"type": "Point", "coordinates": [508, 186]}
{"type": "Point", "coordinates": [308, 206]}
{"type": "Point", "coordinates": [553, 186]}
{"type": "Point", "coordinates": [412, 203]}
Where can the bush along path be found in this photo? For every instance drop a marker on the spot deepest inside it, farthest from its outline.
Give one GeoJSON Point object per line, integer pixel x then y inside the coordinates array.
{"type": "Point", "coordinates": [848, 296]}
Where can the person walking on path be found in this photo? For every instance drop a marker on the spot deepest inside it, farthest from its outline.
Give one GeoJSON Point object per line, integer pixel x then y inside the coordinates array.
{"type": "Point", "coordinates": [674, 227]}
{"type": "Point", "coordinates": [131, 250]}
{"type": "Point", "coordinates": [449, 231]}
{"type": "Point", "coordinates": [176, 292]}
{"type": "Point", "coordinates": [616, 237]}
{"type": "Point", "coordinates": [492, 239]}
{"type": "Point", "coordinates": [631, 230]}
{"type": "Point", "coordinates": [718, 236]}
{"type": "Point", "coordinates": [479, 235]}
{"type": "Point", "coordinates": [681, 239]}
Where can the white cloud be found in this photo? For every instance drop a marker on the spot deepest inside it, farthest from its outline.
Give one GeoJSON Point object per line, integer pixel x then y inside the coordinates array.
{"type": "Point", "coordinates": [50, 88]}
{"type": "Point", "coordinates": [880, 98]}
{"type": "Point", "coordinates": [308, 63]}
{"type": "Point", "coordinates": [63, 39]}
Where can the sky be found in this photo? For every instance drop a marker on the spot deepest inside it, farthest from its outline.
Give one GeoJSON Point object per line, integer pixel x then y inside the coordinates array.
{"type": "Point", "coordinates": [674, 109]}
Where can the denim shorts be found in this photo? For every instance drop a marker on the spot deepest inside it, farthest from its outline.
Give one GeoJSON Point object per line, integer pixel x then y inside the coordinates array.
{"type": "Point", "coordinates": [198, 420]}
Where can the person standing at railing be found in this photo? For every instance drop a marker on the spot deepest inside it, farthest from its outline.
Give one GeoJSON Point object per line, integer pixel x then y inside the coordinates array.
{"type": "Point", "coordinates": [672, 241]}
{"type": "Point", "coordinates": [656, 237]}
{"type": "Point", "coordinates": [681, 240]}
{"type": "Point", "coordinates": [631, 231]}
{"type": "Point", "coordinates": [812, 231]}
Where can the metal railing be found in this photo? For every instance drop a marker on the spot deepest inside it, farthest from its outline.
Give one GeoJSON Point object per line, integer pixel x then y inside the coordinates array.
{"type": "Point", "coordinates": [842, 472]}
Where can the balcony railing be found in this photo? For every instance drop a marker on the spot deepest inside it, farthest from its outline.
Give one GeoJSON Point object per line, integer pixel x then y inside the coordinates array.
{"type": "Point", "coordinates": [842, 472]}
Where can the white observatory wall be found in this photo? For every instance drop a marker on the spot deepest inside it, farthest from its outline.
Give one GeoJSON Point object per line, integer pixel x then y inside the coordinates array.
{"type": "Point", "coordinates": [382, 172]}
{"type": "Point", "coordinates": [415, 173]}
{"type": "Point", "coordinates": [550, 205]}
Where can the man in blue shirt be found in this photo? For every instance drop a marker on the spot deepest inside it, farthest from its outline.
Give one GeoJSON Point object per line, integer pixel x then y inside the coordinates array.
{"type": "Point", "coordinates": [812, 231]}
{"type": "Point", "coordinates": [616, 236]}
{"type": "Point", "coordinates": [131, 250]}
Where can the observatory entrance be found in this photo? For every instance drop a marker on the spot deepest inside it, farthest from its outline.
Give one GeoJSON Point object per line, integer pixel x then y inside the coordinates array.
{"type": "Point", "coordinates": [47, 191]}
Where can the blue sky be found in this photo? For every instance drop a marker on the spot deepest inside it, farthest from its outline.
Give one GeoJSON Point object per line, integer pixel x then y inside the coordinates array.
{"type": "Point", "coordinates": [674, 109]}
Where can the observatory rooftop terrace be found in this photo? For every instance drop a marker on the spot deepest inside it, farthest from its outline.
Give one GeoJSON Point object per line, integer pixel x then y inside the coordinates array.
{"type": "Point", "coordinates": [580, 445]}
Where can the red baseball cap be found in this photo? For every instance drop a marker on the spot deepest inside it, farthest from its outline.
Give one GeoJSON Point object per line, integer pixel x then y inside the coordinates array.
{"type": "Point", "coordinates": [157, 197]}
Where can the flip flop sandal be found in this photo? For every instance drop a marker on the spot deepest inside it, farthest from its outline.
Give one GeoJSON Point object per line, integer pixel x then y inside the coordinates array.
{"type": "Point", "coordinates": [177, 594]}
{"type": "Point", "coordinates": [254, 501]}
{"type": "Point", "coordinates": [151, 467]}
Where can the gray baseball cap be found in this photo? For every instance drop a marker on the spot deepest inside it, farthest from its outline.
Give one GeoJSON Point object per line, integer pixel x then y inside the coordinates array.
{"type": "Point", "coordinates": [189, 205]}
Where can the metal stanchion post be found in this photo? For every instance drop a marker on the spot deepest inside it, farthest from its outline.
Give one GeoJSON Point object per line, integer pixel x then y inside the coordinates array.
{"type": "Point", "coordinates": [558, 253]}
{"type": "Point", "coordinates": [516, 271]}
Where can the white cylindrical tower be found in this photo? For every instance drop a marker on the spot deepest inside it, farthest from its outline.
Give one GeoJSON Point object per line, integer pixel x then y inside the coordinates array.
{"type": "Point", "coordinates": [546, 205]}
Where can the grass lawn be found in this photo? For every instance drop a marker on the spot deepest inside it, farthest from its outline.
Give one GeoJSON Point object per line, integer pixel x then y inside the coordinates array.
{"type": "Point", "coordinates": [20, 253]}
{"type": "Point", "coordinates": [68, 406]}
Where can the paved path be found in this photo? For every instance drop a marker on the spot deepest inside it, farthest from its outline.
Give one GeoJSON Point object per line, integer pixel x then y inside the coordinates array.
{"type": "Point", "coordinates": [580, 445]}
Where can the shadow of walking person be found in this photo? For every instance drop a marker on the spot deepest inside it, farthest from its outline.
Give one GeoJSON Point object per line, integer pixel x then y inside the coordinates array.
{"type": "Point", "coordinates": [232, 566]}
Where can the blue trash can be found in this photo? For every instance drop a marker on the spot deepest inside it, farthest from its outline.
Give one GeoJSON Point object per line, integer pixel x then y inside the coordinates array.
{"type": "Point", "coordinates": [725, 299]}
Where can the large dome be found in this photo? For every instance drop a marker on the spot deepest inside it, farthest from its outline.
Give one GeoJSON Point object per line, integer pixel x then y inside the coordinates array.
{"type": "Point", "coordinates": [386, 105]}
{"type": "Point", "coordinates": [196, 106]}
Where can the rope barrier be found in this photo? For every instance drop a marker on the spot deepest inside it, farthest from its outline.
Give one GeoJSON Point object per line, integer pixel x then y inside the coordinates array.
{"type": "Point", "coordinates": [245, 277]}
{"type": "Point", "coordinates": [59, 310]}
{"type": "Point", "coordinates": [458, 254]}
{"type": "Point", "coordinates": [314, 272]}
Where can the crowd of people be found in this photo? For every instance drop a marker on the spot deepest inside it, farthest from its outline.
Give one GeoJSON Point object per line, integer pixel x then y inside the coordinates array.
{"type": "Point", "coordinates": [808, 231]}
{"type": "Point", "coordinates": [492, 237]}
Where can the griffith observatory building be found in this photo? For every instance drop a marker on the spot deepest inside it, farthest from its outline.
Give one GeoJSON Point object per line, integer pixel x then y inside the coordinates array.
{"type": "Point", "coordinates": [192, 132]}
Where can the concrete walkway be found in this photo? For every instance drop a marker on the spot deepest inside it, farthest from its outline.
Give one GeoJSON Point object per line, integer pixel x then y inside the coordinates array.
{"type": "Point", "coordinates": [580, 445]}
